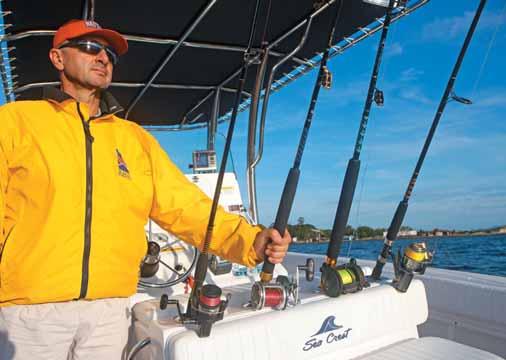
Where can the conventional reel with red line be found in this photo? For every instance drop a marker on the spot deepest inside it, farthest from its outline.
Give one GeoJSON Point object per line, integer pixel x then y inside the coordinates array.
{"type": "Point", "coordinates": [281, 293]}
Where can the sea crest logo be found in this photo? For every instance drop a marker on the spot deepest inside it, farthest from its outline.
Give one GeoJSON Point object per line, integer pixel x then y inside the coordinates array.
{"type": "Point", "coordinates": [329, 333]}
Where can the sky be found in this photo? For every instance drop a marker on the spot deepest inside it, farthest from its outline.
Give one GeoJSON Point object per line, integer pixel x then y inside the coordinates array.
{"type": "Point", "coordinates": [462, 184]}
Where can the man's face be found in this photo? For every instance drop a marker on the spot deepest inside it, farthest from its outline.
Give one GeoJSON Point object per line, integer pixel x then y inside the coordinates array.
{"type": "Point", "coordinates": [87, 70]}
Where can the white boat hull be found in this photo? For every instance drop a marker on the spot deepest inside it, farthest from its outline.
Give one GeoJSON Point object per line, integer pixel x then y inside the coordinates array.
{"type": "Point", "coordinates": [461, 307]}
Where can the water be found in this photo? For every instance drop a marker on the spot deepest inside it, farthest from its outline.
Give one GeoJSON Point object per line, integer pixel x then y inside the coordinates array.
{"type": "Point", "coordinates": [478, 254]}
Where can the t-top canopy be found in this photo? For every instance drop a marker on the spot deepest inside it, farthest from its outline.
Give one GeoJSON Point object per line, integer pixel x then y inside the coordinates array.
{"type": "Point", "coordinates": [205, 40]}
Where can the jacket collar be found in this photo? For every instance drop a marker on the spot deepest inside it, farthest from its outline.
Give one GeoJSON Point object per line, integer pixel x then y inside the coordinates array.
{"type": "Point", "coordinates": [108, 104]}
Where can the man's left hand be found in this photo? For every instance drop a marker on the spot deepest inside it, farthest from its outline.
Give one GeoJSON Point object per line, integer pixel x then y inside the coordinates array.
{"type": "Point", "coordinates": [269, 242]}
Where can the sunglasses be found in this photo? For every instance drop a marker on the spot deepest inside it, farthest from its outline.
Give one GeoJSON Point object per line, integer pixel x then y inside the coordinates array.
{"type": "Point", "coordinates": [92, 48]}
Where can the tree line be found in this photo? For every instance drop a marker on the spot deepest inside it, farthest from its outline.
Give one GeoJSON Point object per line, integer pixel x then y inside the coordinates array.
{"type": "Point", "coordinates": [305, 232]}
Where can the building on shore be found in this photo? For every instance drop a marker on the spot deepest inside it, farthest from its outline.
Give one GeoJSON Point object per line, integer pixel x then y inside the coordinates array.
{"type": "Point", "coordinates": [403, 233]}
{"type": "Point", "coordinates": [439, 232]}
{"type": "Point", "coordinates": [317, 235]}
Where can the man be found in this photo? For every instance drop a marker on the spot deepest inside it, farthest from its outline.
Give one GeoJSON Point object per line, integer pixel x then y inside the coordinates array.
{"type": "Point", "coordinates": [77, 186]}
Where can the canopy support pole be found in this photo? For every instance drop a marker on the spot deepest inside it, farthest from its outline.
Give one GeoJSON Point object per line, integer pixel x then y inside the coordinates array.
{"type": "Point", "coordinates": [89, 10]}
{"type": "Point", "coordinates": [252, 158]}
{"type": "Point", "coordinates": [252, 130]}
{"type": "Point", "coordinates": [212, 125]}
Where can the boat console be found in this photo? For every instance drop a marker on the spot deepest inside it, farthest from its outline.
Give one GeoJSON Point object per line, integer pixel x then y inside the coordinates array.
{"type": "Point", "coordinates": [376, 323]}
{"type": "Point", "coordinates": [319, 326]}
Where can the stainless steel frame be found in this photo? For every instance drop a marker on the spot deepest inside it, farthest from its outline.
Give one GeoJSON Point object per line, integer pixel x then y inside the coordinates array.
{"type": "Point", "coordinates": [305, 64]}
{"type": "Point", "coordinates": [252, 123]}
{"type": "Point", "coordinates": [151, 40]}
{"type": "Point", "coordinates": [132, 85]}
{"type": "Point", "coordinates": [89, 10]}
{"type": "Point", "coordinates": [252, 159]}
{"type": "Point", "coordinates": [187, 32]}
{"type": "Point", "coordinates": [5, 82]}
{"type": "Point", "coordinates": [338, 49]}
{"type": "Point", "coordinates": [7, 78]}
{"type": "Point", "coordinates": [212, 125]}
{"type": "Point", "coordinates": [269, 48]}
{"type": "Point", "coordinates": [192, 115]}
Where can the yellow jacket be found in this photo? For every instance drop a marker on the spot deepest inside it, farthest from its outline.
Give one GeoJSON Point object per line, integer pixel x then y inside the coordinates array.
{"type": "Point", "coordinates": [74, 201]}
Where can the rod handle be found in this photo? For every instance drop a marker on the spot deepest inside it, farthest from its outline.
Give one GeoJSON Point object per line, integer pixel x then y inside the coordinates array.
{"type": "Point", "coordinates": [397, 220]}
{"type": "Point", "coordinates": [343, 209]}
{"type": "Point", "coordinates": [380, 262]}
{"type": "Point", "coordinates": [284, 209]}
{"type": "Point", "coordinates": [392, 232]}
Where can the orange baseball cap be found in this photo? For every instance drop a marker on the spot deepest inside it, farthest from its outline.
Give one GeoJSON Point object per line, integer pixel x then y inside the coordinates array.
{"type": "Point", "coordinates": [77, 28]}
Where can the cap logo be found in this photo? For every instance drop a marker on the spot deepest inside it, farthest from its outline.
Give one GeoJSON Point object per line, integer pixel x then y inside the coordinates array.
{"type": "Point", "coordinates": [92, 24]}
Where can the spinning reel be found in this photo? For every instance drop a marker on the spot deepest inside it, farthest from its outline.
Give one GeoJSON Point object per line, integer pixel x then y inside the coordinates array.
{"type": "Point", "coordinates": [342, 279]}
{"type": "Point", "coordinates": [414, 259]}
{"type": "Point", "coordinates": [210, 309]}
{"type": "Point", "coordinates": [283, 292]}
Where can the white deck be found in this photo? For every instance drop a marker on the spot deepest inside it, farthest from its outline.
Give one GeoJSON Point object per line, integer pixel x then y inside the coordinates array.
{"type": "Point", "coordinates": [376, 319]}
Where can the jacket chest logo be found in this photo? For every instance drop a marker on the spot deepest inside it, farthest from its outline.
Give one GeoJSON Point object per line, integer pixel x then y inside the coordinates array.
{"type": "Point", "coordinates": [122, 166]}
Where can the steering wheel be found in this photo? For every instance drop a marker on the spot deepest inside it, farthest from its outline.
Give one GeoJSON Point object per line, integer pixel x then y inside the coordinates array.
{"type": "Point", "coordinates": [177, 260]}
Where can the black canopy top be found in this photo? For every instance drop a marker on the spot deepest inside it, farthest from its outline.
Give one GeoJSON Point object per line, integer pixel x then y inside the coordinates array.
{"type": "Point", "coordinates": [212, 53]}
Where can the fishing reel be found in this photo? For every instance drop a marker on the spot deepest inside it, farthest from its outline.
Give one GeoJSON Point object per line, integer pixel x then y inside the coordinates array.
{"type": "Point", "coordinates": [205, 309]}
{"type": "Point", "coordinates": [378, 97]}
{"type": "Point", "coordinates": [208, 309]}
{"type": "Point", "coordinates": [283, 292]}
{"type": "Point", "coordinates": [326, 78]}
{"type": "Point", "coordinates": [414, 259]}
{"type": "Point", "coordinates": [342, 279]}
{"type": "Point", "coordinates": [219, 266]}
{"type": "Point", "coordinates": [151, 262]}
{"type": "Point", "coordinates": [275, 295]}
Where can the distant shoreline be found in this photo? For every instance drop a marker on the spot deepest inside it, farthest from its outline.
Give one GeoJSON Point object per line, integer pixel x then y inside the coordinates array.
{"type": "Point", "coordinates": [479, 234]}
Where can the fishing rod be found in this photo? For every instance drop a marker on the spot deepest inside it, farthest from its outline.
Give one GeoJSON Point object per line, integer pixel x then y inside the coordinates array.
{"type": "Point", "coordinates": [261, 290]}
{"type": "Point", "coordinates": [204, 304]}
{"type": "Point", "coordinates": [400, 212]}
{"type": "Point", "coordinates": [278, 294]}
{"type": "Point", "coordinates": [336, 280]}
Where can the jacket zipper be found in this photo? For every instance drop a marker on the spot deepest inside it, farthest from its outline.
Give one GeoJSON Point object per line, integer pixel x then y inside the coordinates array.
{"type": "Point", "coordinates": [2, 247]}
{"type": "Point", "coordinates": [88, 208]}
